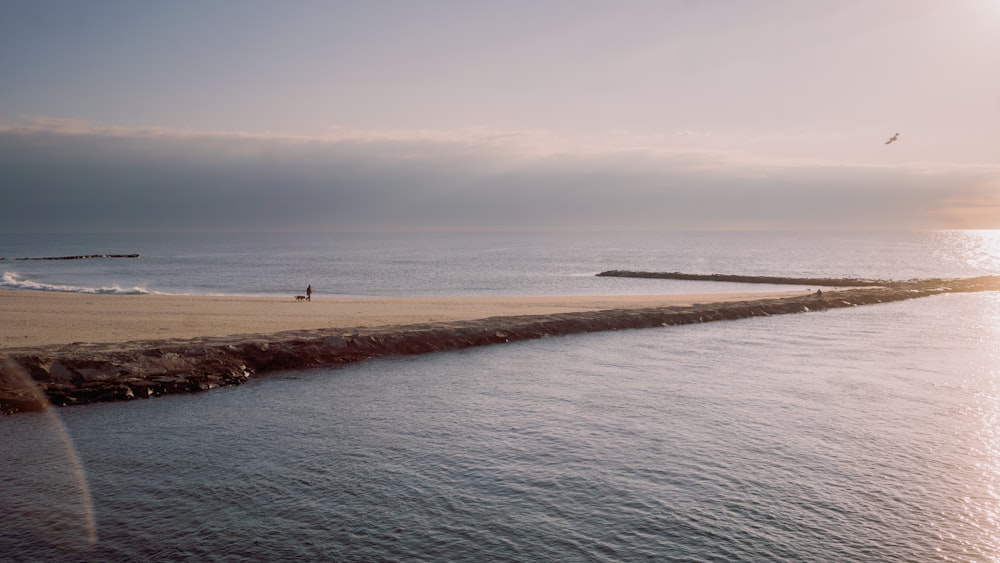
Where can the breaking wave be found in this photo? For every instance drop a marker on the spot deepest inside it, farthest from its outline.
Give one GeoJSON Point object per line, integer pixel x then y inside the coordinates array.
{"type": "Point", "coordinates": [11, 280]}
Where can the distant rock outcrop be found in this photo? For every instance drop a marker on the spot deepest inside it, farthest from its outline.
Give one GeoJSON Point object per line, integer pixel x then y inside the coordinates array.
{"type": "Point", "coordinates": [775, 280]}
{"type": "Point", "coordinates": [75, 257]}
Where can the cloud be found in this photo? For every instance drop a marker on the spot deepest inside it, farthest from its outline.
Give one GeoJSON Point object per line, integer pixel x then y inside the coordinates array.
{"type": "Point", "coordinates": [70, 176]}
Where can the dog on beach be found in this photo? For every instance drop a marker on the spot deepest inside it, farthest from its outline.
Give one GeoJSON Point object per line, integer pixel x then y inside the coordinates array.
{"type": "Point", "coordinates": [300, 297]}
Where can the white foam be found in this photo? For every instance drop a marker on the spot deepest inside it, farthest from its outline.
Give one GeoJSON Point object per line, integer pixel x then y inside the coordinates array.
{"type": "Point", "coordinates": [11, 280]}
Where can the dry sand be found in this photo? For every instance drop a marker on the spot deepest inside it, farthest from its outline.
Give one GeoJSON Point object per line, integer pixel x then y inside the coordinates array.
{"type": "Point", "coordinates": [35, 318]}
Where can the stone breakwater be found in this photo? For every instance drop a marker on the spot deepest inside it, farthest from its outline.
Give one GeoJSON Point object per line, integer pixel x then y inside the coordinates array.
{"type": "Point", "coordinates": [31, 379]}
{"type": "Point", "coordinates": [773, 280]}
{"type": "Point", "coordinates": [75, 257]}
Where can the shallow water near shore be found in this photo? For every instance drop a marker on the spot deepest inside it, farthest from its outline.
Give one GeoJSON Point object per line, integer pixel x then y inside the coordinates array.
{"type": "Point", "coordinates": [868, 434]}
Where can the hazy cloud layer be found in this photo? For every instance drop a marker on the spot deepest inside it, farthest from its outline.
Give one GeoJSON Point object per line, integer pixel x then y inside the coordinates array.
{"type": "Point", "coordinates": [391, 114]}
{"type": "Point", "coordinates": [67, 177]}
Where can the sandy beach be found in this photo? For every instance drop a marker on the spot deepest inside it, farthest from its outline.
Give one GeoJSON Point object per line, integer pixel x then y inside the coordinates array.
{"type": "Point", "coordinates": [36, 318]}
{"type": "Point", "coordinates": [74, 349]}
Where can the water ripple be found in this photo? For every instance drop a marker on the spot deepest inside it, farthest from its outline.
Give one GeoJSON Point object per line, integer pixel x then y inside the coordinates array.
{"type": "Point", "coordinates": [840, 436]}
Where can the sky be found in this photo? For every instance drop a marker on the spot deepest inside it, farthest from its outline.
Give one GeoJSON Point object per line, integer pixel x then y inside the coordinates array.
{"type": "Point", "coordinates": [426, 115]}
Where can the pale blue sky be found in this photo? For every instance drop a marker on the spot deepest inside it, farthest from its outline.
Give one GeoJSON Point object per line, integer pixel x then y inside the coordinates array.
{"type": "Point", "coordinates": [542, 114]}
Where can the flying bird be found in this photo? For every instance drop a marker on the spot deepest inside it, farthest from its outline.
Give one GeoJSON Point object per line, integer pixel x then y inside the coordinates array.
{"type": "Point", "coordinates": [893, 138]}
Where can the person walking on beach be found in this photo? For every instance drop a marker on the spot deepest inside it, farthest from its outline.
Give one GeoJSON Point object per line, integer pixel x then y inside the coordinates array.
{"type": "Point", "coordinates": [309, 292]}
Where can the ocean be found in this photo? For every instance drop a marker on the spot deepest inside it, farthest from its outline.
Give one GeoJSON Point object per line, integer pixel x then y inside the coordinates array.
{"type": "Point", "coordinates": [864, 434]}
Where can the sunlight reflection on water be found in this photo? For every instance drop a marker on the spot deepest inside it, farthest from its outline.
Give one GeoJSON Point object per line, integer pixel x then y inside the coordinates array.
{"type": "Point", "coordinates": [979, 249]}
{"type": "Point", "coordinates": [990, 411]}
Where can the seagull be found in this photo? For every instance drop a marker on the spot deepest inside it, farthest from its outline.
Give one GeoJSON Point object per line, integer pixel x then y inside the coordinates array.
{"type": "Point", "coordinates": [893, 138]}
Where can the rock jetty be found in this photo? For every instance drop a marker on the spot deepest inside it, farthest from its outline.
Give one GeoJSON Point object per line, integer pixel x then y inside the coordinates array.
{"type": "Point", "coordinates": [87, 373]}
{"type": "Point", "coordinates": [75, 257]}
{"type": "Point", "coordinates": [773, 280]}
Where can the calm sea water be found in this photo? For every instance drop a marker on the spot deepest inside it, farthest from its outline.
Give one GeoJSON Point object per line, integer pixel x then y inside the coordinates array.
{"type": "Point", "coordinates": [475, 264]}
{"type": "Point", "coordinates": [870, 434]}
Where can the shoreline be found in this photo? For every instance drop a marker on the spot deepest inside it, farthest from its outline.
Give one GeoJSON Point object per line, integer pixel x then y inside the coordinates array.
{"type": "Point", "coordinates": [39, 318]}
{"type": "Point", "coordinates": [65, 374]}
